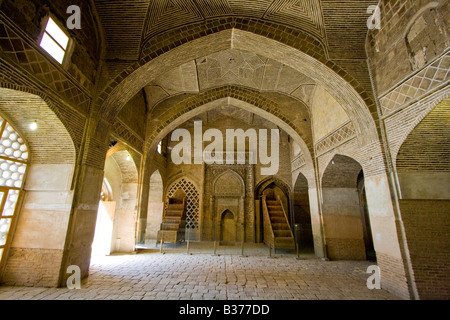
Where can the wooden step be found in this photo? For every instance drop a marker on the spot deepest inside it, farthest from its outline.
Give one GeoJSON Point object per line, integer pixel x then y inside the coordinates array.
{"type": "Point", "coordinates": [286, 243]}
{"type": "Point", "coordinates": [274, 220]}
{"type": "Point", "coordinates": [282, 233]}
{"type": "Point", "coordinates": [170, 227]}
{"type": "Point", "coordinates": [280, 226]}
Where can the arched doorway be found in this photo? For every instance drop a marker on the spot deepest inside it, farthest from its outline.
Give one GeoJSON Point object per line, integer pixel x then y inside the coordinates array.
{"type": "Point", "coordinates": [229, 214]}
{"type": "Point", "coordinates": [342, 218]}
{"type": "Point", "coordinates": [101, 245]}
{"type": "Point", "coordinates": [116, 215]}
{"type": "Point", "coordinates": [274, 187]}
{"type": "Point", "coordinates": [302, 214]}
{"type": "Point", "coordinates": [228, 228]}
{"type": "Point", "coordinates": [367, 229]}
{"type": "Point", "coordinates": [155, 207]}
{"type": "Point", "coordinates": [192, 205]}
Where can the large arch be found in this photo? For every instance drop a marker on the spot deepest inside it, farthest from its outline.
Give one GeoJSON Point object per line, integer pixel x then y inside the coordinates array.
{"type": "Point", "coordinates": [48, 191]}
{"type": "Point", "coordinates": [344, 93]}
{"type": "Point", "coordinates": [189, 111]}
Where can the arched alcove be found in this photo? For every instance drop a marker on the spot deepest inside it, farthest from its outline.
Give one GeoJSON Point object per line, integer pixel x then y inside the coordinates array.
{"type": "Point", "coordinates": [101, 245]}
{"type": "Point", "coordinates": [116, 217]}
{"type": "Point", "coordinates": [155, 206]}
{"type": "Point", "coordinates": [228, 211]}
{"type": "Point", "coordinates": [302, 213]}
{"type": "Point", "coordinates": [44, 210]}
{"type": "Point", "coordinates": [275, 187]}
{"type": "Point", "coordinates": [227, 228]}
{"type": "Point", "coordinates": [193, 218]}
{"type": "Point", "coordinates": [341, 210]}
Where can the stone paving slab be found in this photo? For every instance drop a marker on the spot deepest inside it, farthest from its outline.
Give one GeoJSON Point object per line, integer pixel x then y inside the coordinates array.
{"type": "Point", "coordinates": [201, 275]}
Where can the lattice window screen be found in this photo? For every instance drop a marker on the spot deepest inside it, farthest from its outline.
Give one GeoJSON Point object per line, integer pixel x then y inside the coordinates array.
{"type": "Point", "coordinates": [13, 163]}
{"type": "Point", "coordinates": [192, 202]}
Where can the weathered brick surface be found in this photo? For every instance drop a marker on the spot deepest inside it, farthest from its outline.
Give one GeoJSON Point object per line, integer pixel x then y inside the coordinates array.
{"type": "Point", "coordinates": [32, 267]}
{"type": "Point", "coordinates": [393, 277]}
{"type": "Point", "coordinates": [427, 230]}
{"type": "Point", "coordinates": [393, 57]}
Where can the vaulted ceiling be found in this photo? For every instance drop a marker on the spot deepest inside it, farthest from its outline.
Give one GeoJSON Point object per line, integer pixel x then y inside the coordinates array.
{"type": "Point", "coordinates": [230, 67]}
{"type": "Point", "coordinates": [339, 25]}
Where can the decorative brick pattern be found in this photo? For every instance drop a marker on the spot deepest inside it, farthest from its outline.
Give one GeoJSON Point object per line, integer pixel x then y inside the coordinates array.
{"type": "Point", "coordinates": [22, 108]}
{"type": "Point", "coordinates": [350, 16]}
{"type": "Point", "coordinates": [435, 75]}
{"type": "Point", "coordinates": [124, 133]}
{"type": "Point", "coordinates": [427, 147]}
{"type": "Point", "coordinates": [298, 162]}
{"type": "Point", "coordinates": [392, 51]}
{"type": "Point", "coordinates": [240, 93]}
{"type": "Point", "coordinates": [162, 43]}
{"type": "Point", "coordinates": [400, 124]}
{"type": "Point", "coordinates": [339, 136]}
{"type": "Point", "coordinates": [123, 36]}
{"type": "Point", "coordinates": [72, 120]}
{"type": "Point", "coordinates": [26, 55]}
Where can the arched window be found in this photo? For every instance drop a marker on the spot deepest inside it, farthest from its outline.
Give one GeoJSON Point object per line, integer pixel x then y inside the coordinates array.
{"type": "Point", "coordinates": [13, 163]}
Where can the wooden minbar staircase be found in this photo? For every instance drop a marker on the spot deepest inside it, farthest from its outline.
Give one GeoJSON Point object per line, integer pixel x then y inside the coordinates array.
{"type": "Point", "coordinates": [174, 219]}
{"type": "Point", "coordinates": [277, 232]}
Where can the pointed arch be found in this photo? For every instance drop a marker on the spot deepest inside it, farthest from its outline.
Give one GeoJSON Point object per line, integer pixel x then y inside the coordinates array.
{"type": "Point", "coordinates": [132, 81]}
{"type": "Point", "coordinates": [51, 165]}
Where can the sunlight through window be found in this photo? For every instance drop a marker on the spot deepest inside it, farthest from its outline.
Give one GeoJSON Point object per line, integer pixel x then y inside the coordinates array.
{"type": "Point", "coordinates": [54, 41]}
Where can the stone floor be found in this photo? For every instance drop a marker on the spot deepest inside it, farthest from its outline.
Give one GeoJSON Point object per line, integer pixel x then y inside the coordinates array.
{"type": "Point", "coordinates": [176, 275]}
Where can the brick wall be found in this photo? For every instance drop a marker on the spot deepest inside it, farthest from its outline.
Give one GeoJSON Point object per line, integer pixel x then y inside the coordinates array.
{"type": "Point", "coordinates": [32, 267]}
{"type": "Point", "coordinates": [393, 276]}
{"type": "Point", "coordinates": [427, 230]}
{"type": "Point", "coordinates": [406, 29]}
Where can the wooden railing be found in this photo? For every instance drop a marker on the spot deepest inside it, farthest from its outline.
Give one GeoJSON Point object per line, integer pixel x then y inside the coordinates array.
{"type": "Point", "coordinates": [269, 237]}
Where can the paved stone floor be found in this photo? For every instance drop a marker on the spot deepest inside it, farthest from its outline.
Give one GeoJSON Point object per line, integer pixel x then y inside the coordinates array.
{"type": "Point", "coordinates": [176, 275]}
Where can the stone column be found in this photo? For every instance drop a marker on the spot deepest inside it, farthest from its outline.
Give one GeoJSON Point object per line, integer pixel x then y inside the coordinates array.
{"type": "Point", "coordinates": [250, 205]}
{"type": "Point", "coordinates": [241, 220]}
{"type": "Point", "coordinates": [144, 188]}
{"type": "Point", "coordinates": [213, 219]}
{"type": "Point", "coordinates": [88, 184]}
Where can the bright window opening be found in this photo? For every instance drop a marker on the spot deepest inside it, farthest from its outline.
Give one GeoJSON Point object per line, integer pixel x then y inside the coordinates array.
{"type": "Point", "coordinates": [54, 41]}
{"type": "Point", "coordinates": [13, 163]}
{"type": "Point", "coordinates": [159, 148]}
